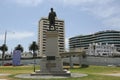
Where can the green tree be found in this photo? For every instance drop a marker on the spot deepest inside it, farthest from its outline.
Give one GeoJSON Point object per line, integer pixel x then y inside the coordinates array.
{"type": "Point", "coordinates": [19, 47]}
{"type": "Point", "coordinates": [33, 47]}
{"type": "Point", "coordinates": [3, 48]}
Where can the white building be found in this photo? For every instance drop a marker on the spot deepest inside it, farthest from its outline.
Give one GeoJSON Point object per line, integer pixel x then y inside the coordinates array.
{"type": "Point", "coordinates": [6, 56]}
{"type": "Point", "coordinates": [99, 49]}
{"type": "Point", "coordinates": [42, 29]}
{"type": "Point", "coordinates": [26, 55]}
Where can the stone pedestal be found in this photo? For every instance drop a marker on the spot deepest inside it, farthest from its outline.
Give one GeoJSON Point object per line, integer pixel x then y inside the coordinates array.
{"type": "Point", "coordinates": [51, 63]}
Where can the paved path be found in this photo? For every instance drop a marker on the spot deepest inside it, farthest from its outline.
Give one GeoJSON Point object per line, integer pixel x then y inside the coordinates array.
{"type": "Point", "coordinates": [4, 75]}
{"type": "Point", "coordinates": [113, 74]}
{"type": "Point", "coordinates": [73, 75]}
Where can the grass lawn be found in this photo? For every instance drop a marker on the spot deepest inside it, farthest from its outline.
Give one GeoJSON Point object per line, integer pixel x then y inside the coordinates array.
{"type": "Point", "coordinates": [94, 72]}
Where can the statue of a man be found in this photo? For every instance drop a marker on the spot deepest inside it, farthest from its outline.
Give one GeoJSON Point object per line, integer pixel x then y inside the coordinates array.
{"type": "Point", "coordinates": [51, 19]}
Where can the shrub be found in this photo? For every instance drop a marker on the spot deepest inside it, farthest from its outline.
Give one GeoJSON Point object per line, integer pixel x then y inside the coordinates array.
{"type": "Point", "coordinates": [84, 66]}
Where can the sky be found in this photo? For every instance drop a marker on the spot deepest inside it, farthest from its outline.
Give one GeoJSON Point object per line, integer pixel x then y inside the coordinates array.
{"type": "Point", "coordinates": [19, 18]}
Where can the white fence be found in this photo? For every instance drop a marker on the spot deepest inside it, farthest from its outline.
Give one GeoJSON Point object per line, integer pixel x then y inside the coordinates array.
{"type": "Point", "coordinates": [94, 60]}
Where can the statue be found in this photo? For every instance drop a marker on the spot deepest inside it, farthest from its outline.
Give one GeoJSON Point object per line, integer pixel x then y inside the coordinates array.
{"type": "Point", "coordinates": [51, 19]}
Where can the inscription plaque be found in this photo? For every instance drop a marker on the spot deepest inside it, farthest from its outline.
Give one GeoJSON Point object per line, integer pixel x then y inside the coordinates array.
{"type": "Point", "coordinates": [51, 65]}
{"type": "Point", "coordinates": [50, 57]}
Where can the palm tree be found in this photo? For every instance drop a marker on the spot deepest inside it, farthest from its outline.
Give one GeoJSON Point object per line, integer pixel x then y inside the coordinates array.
{"type": "Point", "coordinates": [19, 47]}
{"type": "Point", "coordinates": [3, 48]}
{"type": "Point", "coordinates": [34, 47]}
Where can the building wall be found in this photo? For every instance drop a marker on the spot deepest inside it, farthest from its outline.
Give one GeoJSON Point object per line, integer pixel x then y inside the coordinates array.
{"type": "Point", "coordinates": [42, 29]}
{"type": "Point", "coordinates": [109, 37]}
{"type": "Point", "coordinates": [23, 61]}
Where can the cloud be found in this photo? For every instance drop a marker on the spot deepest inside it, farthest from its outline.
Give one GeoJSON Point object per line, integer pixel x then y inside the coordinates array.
{"type": "Point", "coordinates": [112, 22]}
{"type": "Point", "coordinates": [83, 2]}
{"type": "Point", "coordinates": [27, 2]}
{"type": "Point", "coordinates": [17, 35]}
{"type": "Point", "coordinates": [101, 12]}
{"type": "Point", "coordinates": [106, 10]}
{"type": "Point", "coordinates": [100, 8]}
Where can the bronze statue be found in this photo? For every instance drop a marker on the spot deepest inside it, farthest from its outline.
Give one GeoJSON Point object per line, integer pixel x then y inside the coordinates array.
{"type": "Point", "coordinates": [51, 19]}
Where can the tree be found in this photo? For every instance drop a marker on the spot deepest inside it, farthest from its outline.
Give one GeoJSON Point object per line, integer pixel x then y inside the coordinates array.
{"type": "Point", "coordinates": [34, 47]}
{"type": "Point", "coordinates": [3, 48]}
{"type": "Point", "coordinates": [19, 47]}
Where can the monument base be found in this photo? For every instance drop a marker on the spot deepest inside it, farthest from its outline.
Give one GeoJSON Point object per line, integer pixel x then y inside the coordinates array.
{"type": "Point", "coordinates": [51, 67]}
{"type": "Point", "coordinates": [52, 73]}
{"type": "Point", "coordinates": [51, 63]}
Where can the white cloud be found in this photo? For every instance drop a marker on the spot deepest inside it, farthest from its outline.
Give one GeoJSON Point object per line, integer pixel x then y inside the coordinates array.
{"type": "Point", "coordinates": [17, 35]}
{"type": "Point", "coordinates": [112, 22]}
{"type": "Point", "coordinates": [101, 12]}
{"type": "Point", "coordinates": [27, 2]}
{"type": "Point", "coordinates": [106, 10]}
{"type": "Point", "coordinates": [83, 2]}
{"type": "Point", "coordinates": [101, 8]}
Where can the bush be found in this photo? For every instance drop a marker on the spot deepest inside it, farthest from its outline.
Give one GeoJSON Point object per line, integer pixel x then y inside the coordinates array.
{"type": "Point", "coordinates": [84, 66]}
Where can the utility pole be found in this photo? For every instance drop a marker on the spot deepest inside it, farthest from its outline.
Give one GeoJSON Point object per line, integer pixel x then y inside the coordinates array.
{"type": "Point", "coordinates": [4, 48]}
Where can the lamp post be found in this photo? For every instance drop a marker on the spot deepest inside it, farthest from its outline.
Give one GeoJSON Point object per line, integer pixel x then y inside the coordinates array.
{"type": "Point", "coordinates": [5, 37]}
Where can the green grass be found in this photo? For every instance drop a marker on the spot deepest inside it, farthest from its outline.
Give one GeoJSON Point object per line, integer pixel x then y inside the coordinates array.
{"type": "Point", "coordinates": [16, 69]}
{"type": "Point", "coordinates": [94, 72]}
{"type": "Point", "coordinates": [97, 69]}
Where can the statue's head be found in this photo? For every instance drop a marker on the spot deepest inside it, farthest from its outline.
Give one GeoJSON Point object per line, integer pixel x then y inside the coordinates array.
{"type": "Point", "coordinates": [51, 9]}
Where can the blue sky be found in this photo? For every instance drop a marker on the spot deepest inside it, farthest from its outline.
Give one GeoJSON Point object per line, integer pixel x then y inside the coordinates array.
{"type": "Point", "coordinates": [20, 18]}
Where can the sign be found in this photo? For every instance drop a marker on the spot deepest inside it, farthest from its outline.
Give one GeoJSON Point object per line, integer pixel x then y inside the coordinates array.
{"type": "Point", "coordinates": [49, 65]}
{"type": "Point", "coordinates": [16, 57]}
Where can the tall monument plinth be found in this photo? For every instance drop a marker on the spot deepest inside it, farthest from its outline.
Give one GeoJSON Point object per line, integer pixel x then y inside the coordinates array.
{"type": "Point", "coordinates": [51, 62]}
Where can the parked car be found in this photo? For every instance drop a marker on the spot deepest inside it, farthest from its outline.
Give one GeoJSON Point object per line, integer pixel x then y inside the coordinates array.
{"type": "Point", "coordinates": [8, 64]}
